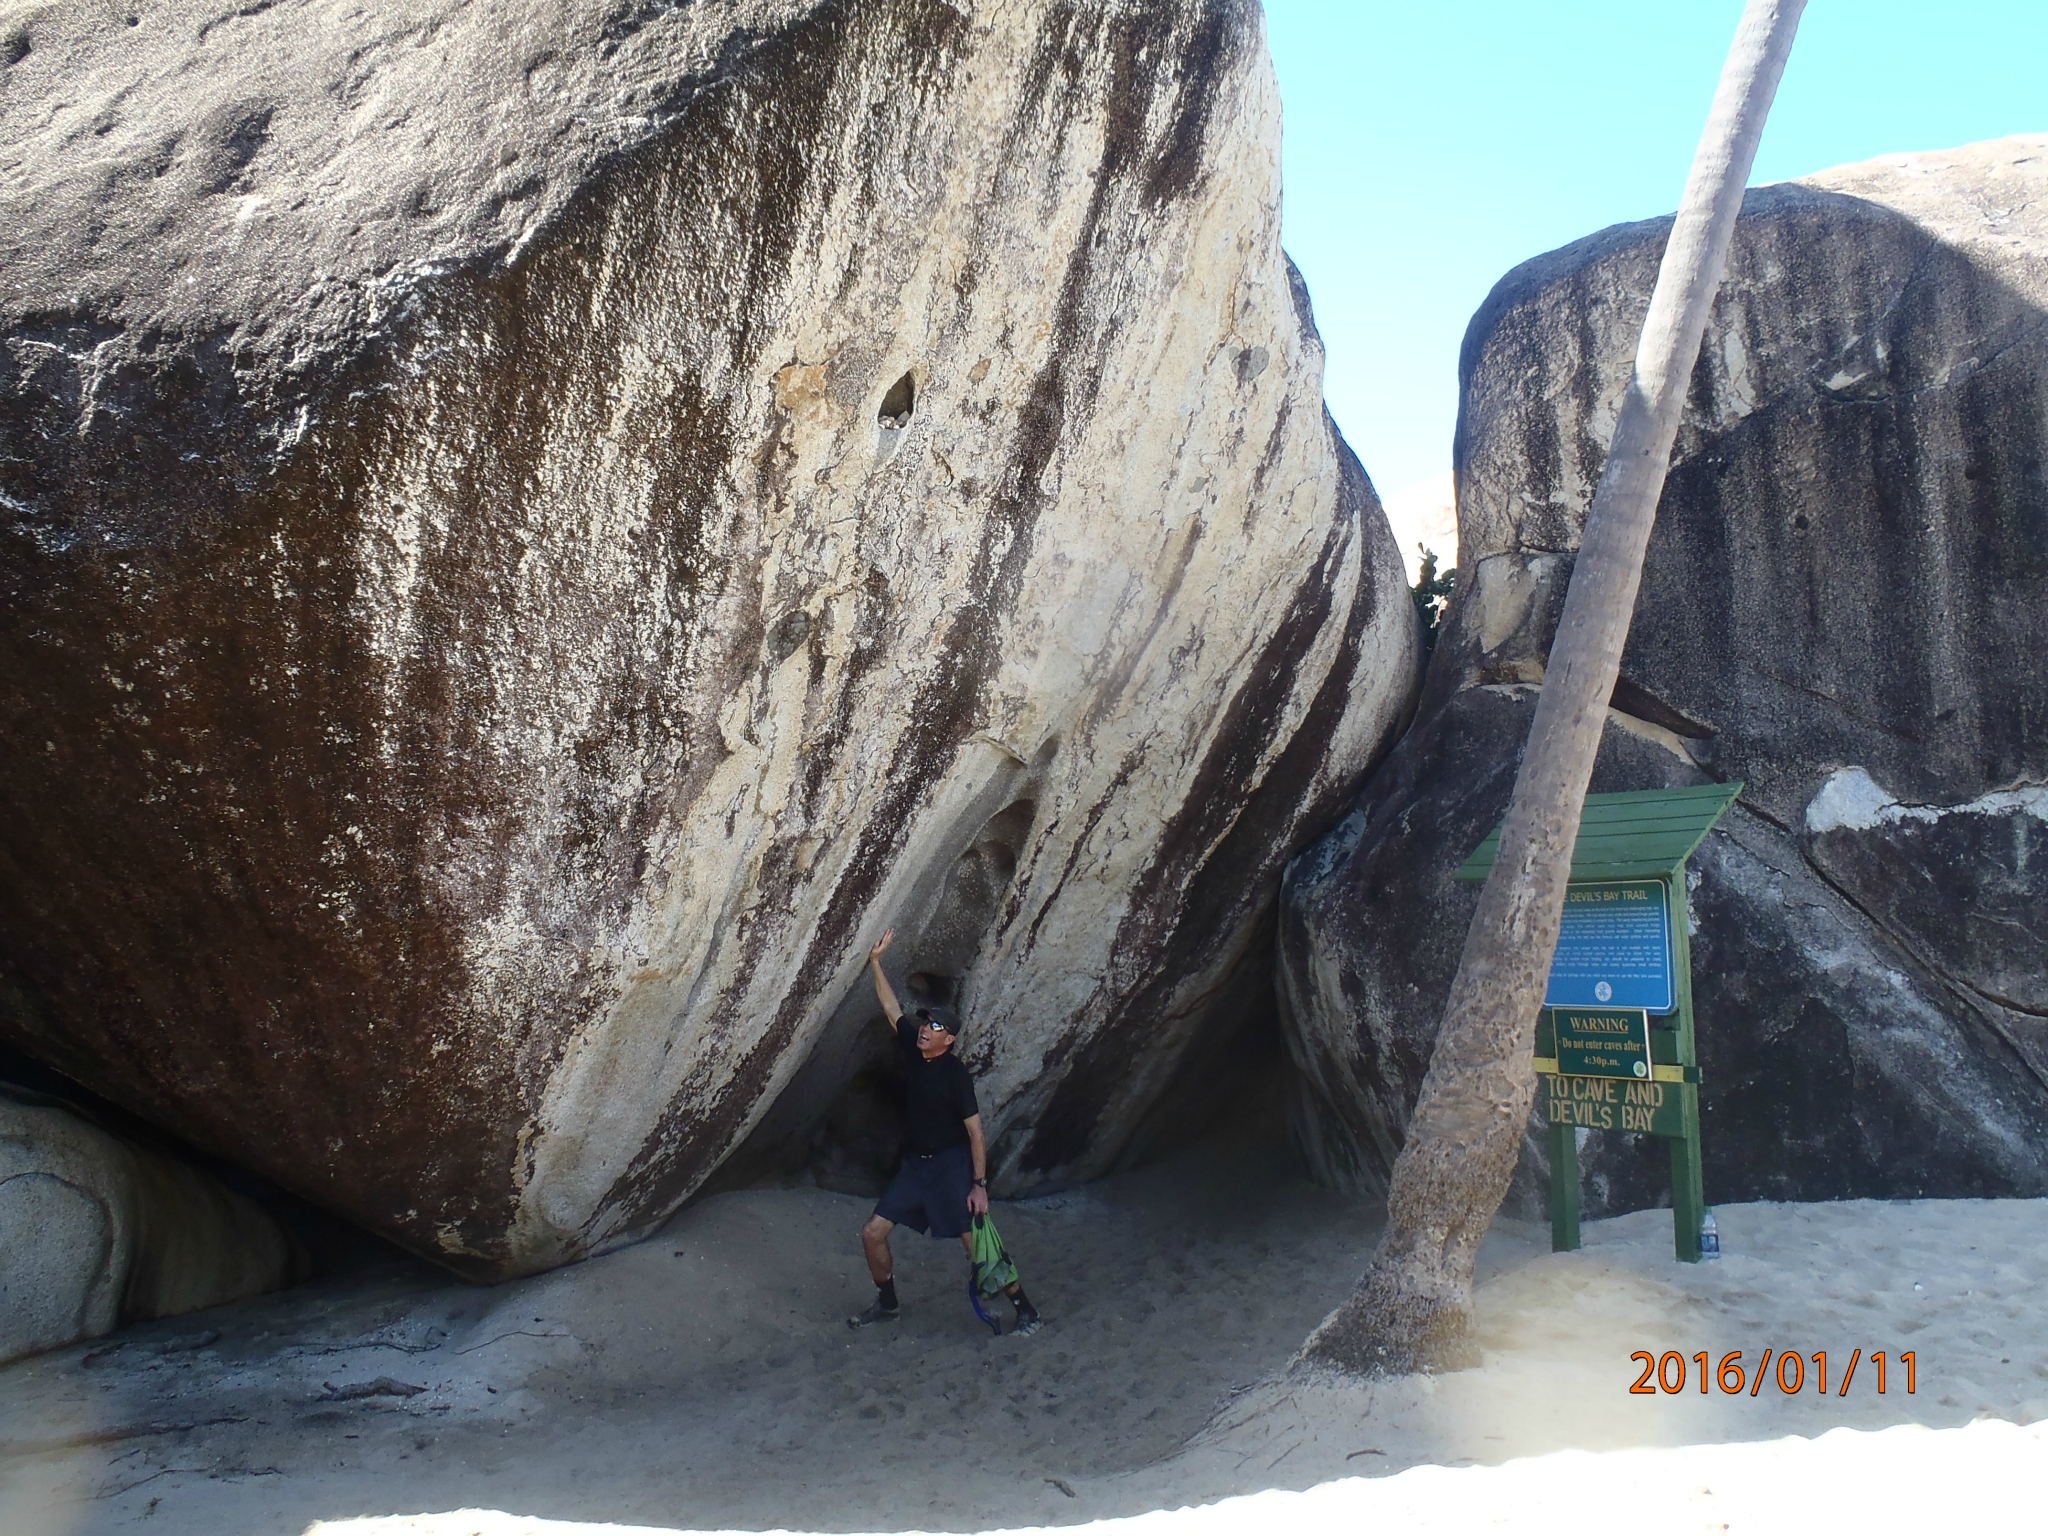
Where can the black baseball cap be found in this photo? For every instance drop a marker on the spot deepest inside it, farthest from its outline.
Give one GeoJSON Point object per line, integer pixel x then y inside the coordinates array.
{"type": "Point", "coordinates": [939, 1016]}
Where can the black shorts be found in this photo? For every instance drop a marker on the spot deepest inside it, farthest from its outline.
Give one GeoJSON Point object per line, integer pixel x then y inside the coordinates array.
{"type": "Point", "coordinates": [929, 1194]}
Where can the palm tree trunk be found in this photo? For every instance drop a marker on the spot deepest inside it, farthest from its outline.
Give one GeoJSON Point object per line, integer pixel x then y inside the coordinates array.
{"type": "Point", "coordinates": [1413, 1309]}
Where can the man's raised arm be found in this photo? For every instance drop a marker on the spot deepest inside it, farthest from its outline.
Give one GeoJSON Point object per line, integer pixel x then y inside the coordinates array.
{"type": "Point", "coordinates": [883, 990]}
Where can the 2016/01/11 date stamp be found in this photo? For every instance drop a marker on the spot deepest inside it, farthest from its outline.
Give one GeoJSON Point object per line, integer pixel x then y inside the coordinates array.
{"type": "Point", "coordinates": [1670, 1372]}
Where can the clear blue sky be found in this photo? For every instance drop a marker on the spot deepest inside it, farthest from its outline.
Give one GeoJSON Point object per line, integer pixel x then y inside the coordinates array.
{"type": "Point", "coordinates": [1432, 146]}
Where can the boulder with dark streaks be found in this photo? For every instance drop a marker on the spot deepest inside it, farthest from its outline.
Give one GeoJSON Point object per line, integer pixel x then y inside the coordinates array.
{"type": "Point", "coordinates": [533, 532]}
{"type": "Point", "coordinates": [1845, 607]}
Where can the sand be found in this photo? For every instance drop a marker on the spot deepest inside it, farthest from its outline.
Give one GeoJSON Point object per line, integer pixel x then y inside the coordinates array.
{"type": "Point", "coordinates": [705, 1381]}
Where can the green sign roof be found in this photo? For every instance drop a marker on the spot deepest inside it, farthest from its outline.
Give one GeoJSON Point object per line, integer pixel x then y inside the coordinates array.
{"type": "Point", "coordinates": [1640, 834]}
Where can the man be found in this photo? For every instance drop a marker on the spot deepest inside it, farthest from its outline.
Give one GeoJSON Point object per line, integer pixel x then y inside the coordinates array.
{"type": "Point", "coordinates": [943, 1182]}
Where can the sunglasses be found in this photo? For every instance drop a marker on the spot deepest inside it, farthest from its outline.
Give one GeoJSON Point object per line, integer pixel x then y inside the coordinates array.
{"type": "Point", "coordinates": [925, 1015]}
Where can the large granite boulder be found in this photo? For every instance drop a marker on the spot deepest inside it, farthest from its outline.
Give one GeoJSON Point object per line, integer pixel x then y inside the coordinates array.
{"type": "Point", "coordinates": [530, 533]}
{"type": "Point", "coordinates": [96, 1231]}
{"type": "Point", "coordinates": [1845, 607]}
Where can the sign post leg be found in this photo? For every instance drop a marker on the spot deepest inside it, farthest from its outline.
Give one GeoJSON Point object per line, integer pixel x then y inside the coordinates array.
{"type": "Point", "coordinates": [1688, 1194]}
{"type": "Point", "coordinates": [1564, 1190]}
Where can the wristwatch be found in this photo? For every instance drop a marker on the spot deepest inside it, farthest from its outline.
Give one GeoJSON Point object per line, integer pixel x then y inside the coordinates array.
{"type": "Point", "coordinates": [981, 1183]}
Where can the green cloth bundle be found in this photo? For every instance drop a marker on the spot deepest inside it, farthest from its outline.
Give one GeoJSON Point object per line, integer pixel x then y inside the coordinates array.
{"type": "Point", "coordinates": [994, 1270]}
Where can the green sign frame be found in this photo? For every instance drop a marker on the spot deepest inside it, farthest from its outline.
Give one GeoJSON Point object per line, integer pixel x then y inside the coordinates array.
{"type": "Point", "coordinates": [1645, 834]}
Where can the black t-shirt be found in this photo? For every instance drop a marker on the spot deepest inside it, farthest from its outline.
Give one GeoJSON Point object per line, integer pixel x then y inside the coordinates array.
{"type": "Point", "coordinates": [938, 1094]}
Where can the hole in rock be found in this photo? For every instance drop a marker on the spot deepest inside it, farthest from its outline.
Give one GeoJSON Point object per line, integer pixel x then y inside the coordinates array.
{"type": "Point", "coordinates": [899, 403]}
{"type": "Point", "coordinates": [13, 48]}
{"type": "Point", "coordinates": [789, 633]}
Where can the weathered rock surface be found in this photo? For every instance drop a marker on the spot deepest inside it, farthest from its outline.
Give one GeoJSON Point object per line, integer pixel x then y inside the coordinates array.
{"type": "Point", "coordinates": [95, 1232]}
{"type": "Point", "coordinates": [1845, 607]}
{"type": "Point", "coordinates": [533, 532]}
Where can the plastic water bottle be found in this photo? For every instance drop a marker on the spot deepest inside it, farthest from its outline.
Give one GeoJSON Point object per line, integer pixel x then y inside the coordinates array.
{"type": "Point", "coordinates": [1710, 1237]}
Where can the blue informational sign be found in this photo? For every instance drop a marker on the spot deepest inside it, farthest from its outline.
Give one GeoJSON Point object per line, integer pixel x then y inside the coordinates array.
{"type": "Point", "coordinates": [1614, 948]}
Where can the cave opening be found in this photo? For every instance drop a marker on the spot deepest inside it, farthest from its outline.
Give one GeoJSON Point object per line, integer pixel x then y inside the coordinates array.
{"type": "Point", "coordinates": [899, 404]}
{"type": "Point", "coordinates": [1230, 1081]}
